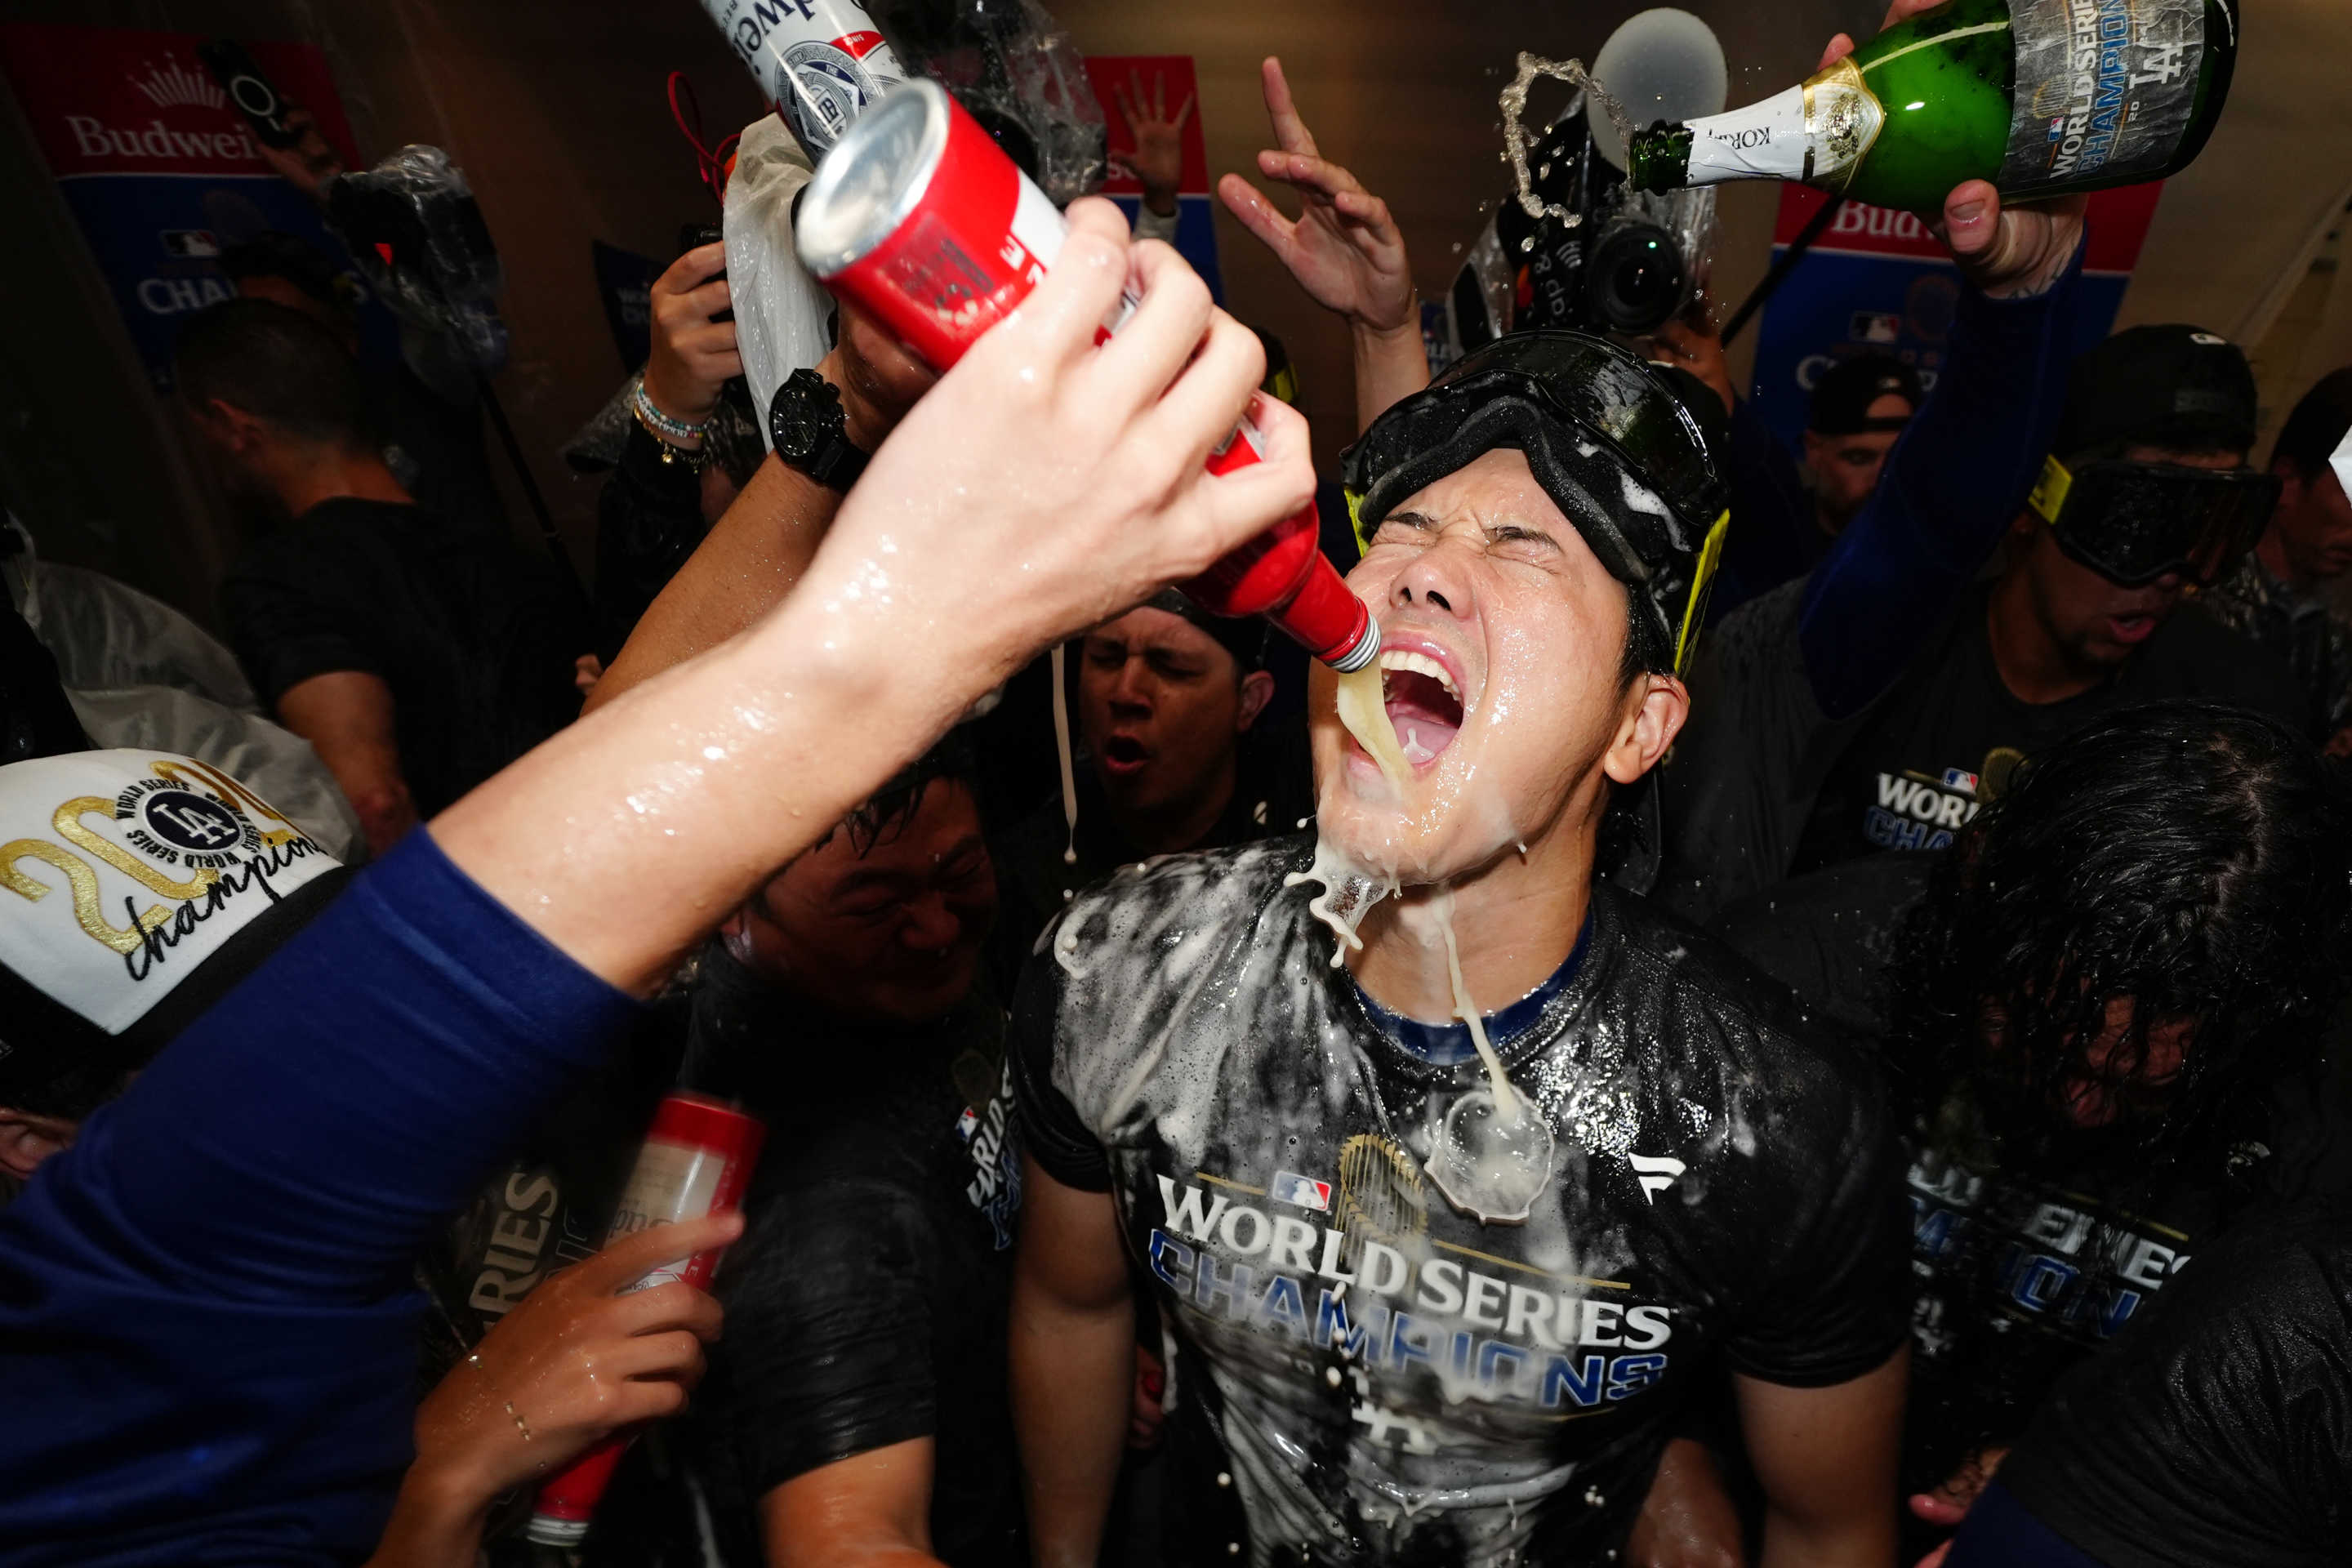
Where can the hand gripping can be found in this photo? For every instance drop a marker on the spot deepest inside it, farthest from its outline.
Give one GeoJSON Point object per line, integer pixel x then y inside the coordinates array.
{"type": "Point", "coordinates": [697, 1160]}
{"type": "Point", "coordinates": [821, 61]}
{"type": "Point", "coordinates": [918, 219]}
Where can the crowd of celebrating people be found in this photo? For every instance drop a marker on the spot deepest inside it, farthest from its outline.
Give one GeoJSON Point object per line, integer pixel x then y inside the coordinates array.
{"type": "Point", "coordinates": [1902, 1116]}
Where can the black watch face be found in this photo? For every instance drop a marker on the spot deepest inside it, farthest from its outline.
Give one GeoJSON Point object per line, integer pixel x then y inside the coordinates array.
{"type": "Point", "coordinates": [798, 422]}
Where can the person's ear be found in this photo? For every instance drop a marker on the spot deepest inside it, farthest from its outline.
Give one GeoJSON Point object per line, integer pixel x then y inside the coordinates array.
{"type": "Point", "coordinates": [1257, 691]}
{"type": "Point", "coordinates": [1655, 707]}
{"type": "Point", "coordinates": [26, 1140]}
{"type": "Point", "coordinates": [232, 426]}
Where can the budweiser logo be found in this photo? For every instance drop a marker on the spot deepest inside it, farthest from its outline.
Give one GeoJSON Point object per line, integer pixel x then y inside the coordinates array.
{"type": "Point", "coordinates": [93, 138]}
{"type": "Point", "coordinates": [171, 84]}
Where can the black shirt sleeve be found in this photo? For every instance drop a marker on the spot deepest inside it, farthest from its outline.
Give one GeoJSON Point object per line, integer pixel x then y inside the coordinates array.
{"type": "Point", "coordinates": [827, 1352]}
{"type": "Point", "coordinates": [289, 621]}
{"type": "Point", "coordinates": [1835, 1299]}
{"type": "Point", "coordinates": [1051, 1128]}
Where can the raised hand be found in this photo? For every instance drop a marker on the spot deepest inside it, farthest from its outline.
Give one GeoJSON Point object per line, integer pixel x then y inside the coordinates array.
{"type": "Point", "coordinates": [2009, 252]}
{"type": "Point", "coordinates": [1157, 161]}
{"type": "Point", "coordinates": [1343, 247]}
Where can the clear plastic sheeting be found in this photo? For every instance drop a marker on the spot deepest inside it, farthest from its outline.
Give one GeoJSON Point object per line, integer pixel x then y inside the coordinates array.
{"type": "Point", "coordinates": [140, 674]}
{"type": "Point", "coordinates": [418, 238]}
{"type": "Point", "coordinates": [781, 313]}
{"type": "Point", "coordinates": [1013, 69]}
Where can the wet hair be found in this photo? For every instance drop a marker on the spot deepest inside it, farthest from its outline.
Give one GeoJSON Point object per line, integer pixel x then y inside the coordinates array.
{"type": "Point", "coordinates": [1646, 652]}
{"type": "Point", "coordinates": [889, 811]}
{"type": "Point", "coordinates": [2189, 857]}
{"type": "Point", "coordinates": [276, 364]}
{"type": "Point", "coordinates": [2316, 426]}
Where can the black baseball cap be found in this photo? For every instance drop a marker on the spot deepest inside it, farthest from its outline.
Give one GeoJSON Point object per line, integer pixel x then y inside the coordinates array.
{"type": "Point", "coordinates": [1844, 392]}
{"type": "Point", "coordinates": [2174, 386]}
{"type": "Point", "coordinates": [1244, 636]}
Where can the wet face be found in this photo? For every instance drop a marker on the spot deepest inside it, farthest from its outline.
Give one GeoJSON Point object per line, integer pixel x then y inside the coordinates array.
{"type": "Point", "coordinates": [1502, 638]}
{"type": "Point", "coordinates": [891, 935]}
{"type": "Point", "coordinates": [2095, 622]}
{"type": "Point", "coordinates": [1162, 707]}
{"type": "Point", "coordinates": [2119, 1082]}
{"type": "Point", "coordinates": [1844, 469]}
{"type": "Point", "coordinates": [2313, 524]}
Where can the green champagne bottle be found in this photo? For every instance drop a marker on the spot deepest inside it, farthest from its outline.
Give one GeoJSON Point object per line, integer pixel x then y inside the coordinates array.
{"type": "Point", "coordinates": [2040, 96]}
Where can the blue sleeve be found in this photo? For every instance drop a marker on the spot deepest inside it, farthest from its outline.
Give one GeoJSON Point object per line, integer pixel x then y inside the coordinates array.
{"type": "Point", "coordinates": [1952, 484]}
{"type": "Point", "coordinates": [302, 1139]}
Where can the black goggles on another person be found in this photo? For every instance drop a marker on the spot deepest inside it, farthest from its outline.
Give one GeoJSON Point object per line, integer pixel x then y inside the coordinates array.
{"type": "Point", "coordinates": [2135, 522]}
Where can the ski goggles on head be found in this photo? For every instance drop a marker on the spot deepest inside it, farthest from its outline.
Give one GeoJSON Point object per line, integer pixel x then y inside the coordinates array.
{"type": "Point", "coordinates": [2135, 522]}
{"type": "Point", "coordinates": [1615, 449]}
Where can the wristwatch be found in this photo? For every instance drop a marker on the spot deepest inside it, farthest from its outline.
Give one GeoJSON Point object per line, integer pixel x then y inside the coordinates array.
{"type": "Point", "coordinates": [808, 430]}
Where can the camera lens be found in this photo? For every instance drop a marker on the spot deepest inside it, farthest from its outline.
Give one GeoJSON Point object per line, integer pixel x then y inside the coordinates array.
{"type": "Point", "coordinates": [1634, 281]}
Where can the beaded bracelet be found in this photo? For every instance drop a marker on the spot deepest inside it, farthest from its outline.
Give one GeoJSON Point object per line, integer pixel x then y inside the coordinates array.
{"type": "Point", "coordinates": [661, 425]}
{"type": "Point", "coordinates": [693, 459]}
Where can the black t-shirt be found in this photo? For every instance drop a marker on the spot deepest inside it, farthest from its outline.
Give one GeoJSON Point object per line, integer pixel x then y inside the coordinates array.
{"type": "Point", "coordinates": [476, 639]}
{"type": "Point", "coordinates": [2019, 1280]}
{"type": "Point", "coordinates": [2219, 1432]}
{"type": "Point", "coordinates": [1946, 739]}
{"type": "Point", "coordinates": [1361, 1373]}
{"type": "Point", "coordinates": [865, 1304]}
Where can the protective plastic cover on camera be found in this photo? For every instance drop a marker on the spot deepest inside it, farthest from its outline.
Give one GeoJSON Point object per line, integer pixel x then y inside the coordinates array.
{"type": "Point", "coordinates": [418, 238]}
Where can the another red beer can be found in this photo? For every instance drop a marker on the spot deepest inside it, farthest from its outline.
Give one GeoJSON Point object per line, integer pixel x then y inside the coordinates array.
{"type": "Point", "coordinates": [920, 220]}
{"type": "Point", "coordinates": [697, 1160]}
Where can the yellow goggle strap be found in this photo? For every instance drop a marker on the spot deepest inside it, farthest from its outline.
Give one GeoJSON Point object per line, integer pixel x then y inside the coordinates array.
{"type": "Point", "coordinates": [2047, 497]}
{"type": "Point", "coordinates": [1356, 521]}
{"type": "Point", "coordinates": [1710, 556]}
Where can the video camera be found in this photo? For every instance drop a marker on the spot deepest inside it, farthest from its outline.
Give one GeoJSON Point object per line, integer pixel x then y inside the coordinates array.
{"type": "Point", "coordinates": [1631, 262]}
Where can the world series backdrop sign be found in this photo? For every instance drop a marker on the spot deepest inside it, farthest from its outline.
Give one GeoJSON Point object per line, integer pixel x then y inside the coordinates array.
{"type": "Point", "coordinates": [161, 172]}
{"type": "Point", "coordinates": [1168, 79]}
{"type": "Point", "coordinates": [1879, 281]}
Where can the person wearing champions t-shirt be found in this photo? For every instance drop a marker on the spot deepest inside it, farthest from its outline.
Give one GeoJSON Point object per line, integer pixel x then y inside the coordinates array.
{"type": "Point", "coordinates": [2110, 1011]}
{"type": "Point", "coordinates": [1364, 1369]}
{"type": "Point", "coordinates": [1876, 705]}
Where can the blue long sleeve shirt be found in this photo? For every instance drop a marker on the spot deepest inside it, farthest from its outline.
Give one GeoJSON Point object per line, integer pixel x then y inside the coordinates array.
{"type": "Point", "coordinates": [1950, 488]}
{"type": "Point", "coordinates": [207, 1328]}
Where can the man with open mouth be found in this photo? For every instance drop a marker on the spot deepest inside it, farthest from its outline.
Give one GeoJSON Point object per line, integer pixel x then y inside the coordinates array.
{"type": "Point", "coordinates": [1878, 704]}
{"type": "Point", "coordinates": [1448, 1218]}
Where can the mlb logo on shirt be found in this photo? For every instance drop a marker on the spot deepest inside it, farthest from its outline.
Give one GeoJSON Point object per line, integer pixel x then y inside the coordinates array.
{"type": "Point", "coordinates": [967, 1125]}
{"type": "Point", "coordinates": [1303, 1192]}
{"type": "Point", "coordinates": [1960, 778]}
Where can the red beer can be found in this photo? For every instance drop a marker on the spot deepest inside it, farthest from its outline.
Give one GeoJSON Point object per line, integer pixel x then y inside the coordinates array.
{"type": "Point", "coordinates": [920, 220]}
{"type": "Point", "coordinates": [697, 1160]}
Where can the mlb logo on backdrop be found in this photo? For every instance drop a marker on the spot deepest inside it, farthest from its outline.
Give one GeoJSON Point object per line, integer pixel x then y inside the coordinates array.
{"type": "Point", "coordinates": [1301, 1192]}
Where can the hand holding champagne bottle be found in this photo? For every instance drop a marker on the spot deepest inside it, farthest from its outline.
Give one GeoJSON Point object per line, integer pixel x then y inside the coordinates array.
{"type": "Point", "coordinates": [2035, 99]}
{"type": "Point", "coordinates": [2008, 251]}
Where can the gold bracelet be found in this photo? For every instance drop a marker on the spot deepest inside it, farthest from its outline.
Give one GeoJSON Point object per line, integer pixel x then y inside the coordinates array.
{"type": "Point", "coordinates": [521, 1426]}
